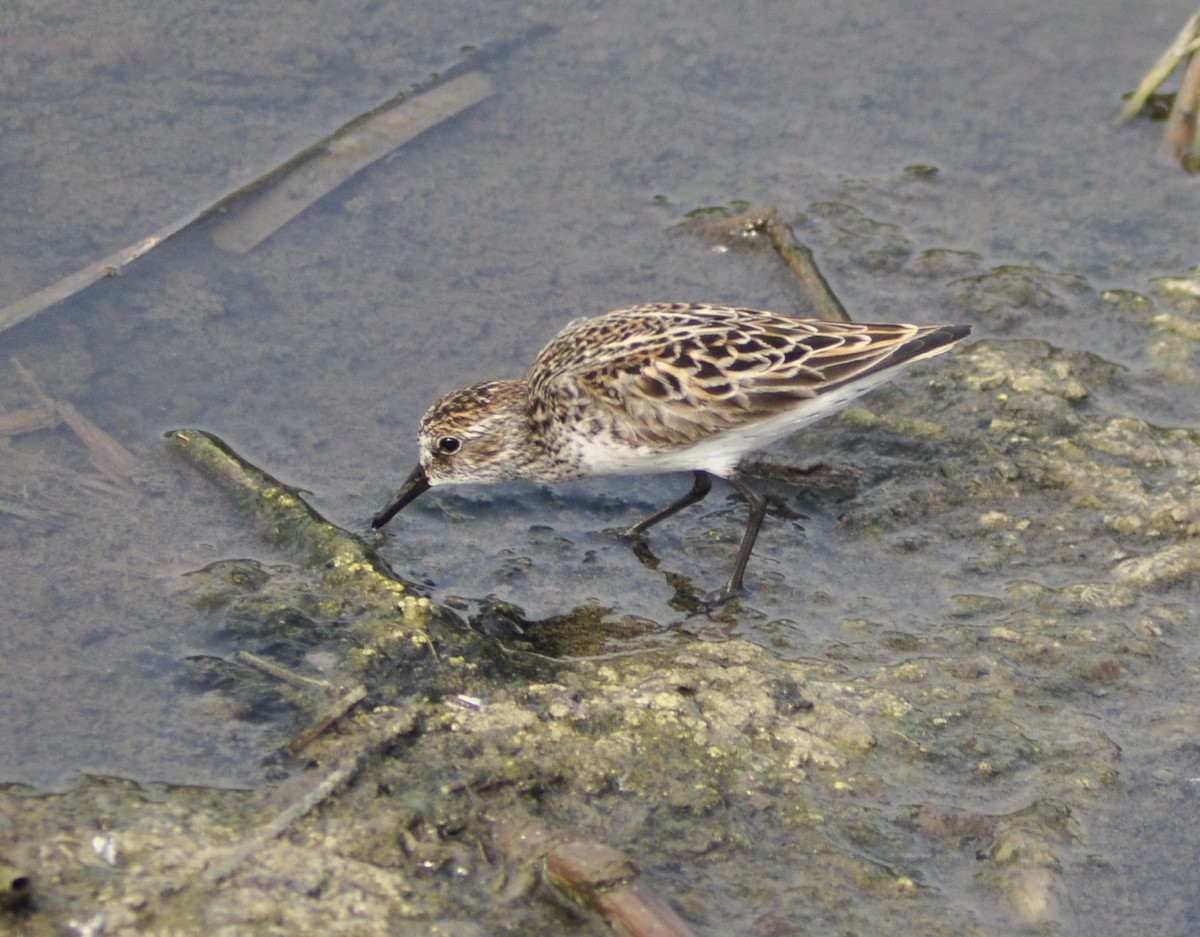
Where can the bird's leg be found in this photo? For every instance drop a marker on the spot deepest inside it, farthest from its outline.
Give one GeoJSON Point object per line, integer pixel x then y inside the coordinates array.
{"type": "Point", "coordinates": [758, 510]}
{"type": "Point", "coordinates": [700, 487]}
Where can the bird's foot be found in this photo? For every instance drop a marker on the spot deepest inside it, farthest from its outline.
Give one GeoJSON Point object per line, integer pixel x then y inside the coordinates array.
{"type": "Point", "coordinates": [719, 599]}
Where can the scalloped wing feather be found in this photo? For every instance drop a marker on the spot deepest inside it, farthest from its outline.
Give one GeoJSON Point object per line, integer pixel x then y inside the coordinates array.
{"type": "Point", "coordinates": [673, 375]}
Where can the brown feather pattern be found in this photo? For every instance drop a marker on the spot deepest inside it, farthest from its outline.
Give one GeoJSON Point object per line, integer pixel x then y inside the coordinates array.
{"type": "Point", "coordinates": [662, 387]}
{"type": "Point", "coordinates": [677, 373]}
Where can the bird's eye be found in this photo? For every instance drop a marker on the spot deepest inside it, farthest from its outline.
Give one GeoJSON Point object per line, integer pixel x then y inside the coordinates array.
{"type": "Point", "coordinates": [449, 445]}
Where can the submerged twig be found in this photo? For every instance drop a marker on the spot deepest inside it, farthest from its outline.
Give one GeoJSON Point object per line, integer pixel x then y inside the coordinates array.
{"type": "Point", "coordinates": [284, 516]}
{"type": "Point", "coordinates": [73, 283]}
{"type": "Point", "coordinates": [107, 455]}
{"type": "Point", "coordinates": [285, 674]}
{"type": "Point", "coordinates": [342, 705]}
{"type": "Point", "coordinates": [592, 876]}
{"type": "Point", "coordinates": [1182, 136]}
{"type": "Point", "coordinates": [1184, 44]}
{"type": "Point", "coordinates": [394, 726]}
{"type": "Point", "coordinates": [799, 259]}
{"type": "Point", "coordinates": [286, 519]}
{"type": "Point", "coordinates": [290, 187]}
{"type": "Point", "coordinates": [245, 231]}
{"type": "Point", "coordinates": [334, 160]}
{"type": "Point", "coordinates": [346, 700]}
{"type": "Point", "coordinates": [16, 422]}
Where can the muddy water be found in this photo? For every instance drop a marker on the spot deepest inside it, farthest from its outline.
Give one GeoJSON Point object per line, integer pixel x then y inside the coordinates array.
{"type": "Point", "coordinates": [560, 196]}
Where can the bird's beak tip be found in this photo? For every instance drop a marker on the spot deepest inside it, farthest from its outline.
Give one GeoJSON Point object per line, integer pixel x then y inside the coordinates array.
{"type": "Point", "coordinates": [416, 484]}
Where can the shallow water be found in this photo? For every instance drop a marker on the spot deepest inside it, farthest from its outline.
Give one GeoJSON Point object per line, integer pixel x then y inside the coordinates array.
{"type": "Point", "coordinates": [454, 259]}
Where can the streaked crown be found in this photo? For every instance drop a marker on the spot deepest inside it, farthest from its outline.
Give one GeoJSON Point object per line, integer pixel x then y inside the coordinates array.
{"type": "Point", "coordinates": [476, 434]}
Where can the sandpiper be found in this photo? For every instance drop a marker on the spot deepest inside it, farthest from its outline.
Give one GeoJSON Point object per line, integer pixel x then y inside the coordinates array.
{"type": "Point", "coordinates": [662, 388]}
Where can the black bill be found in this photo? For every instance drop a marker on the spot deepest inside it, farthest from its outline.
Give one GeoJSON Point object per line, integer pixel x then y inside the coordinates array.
{"type": "Point", "coordinates": [414, 485]}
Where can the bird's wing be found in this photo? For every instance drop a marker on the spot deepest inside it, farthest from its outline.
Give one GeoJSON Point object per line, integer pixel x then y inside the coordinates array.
{"type": "Point", "coordinates": [671, 375]}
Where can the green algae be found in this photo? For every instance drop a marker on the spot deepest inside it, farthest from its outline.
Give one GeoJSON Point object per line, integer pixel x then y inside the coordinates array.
{"type": "Point", "coordinates": [719, 767]}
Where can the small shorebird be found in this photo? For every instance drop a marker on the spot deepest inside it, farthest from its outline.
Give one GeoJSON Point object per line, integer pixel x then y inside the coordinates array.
{"type": "Point", "coordinates": [661, 388]}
